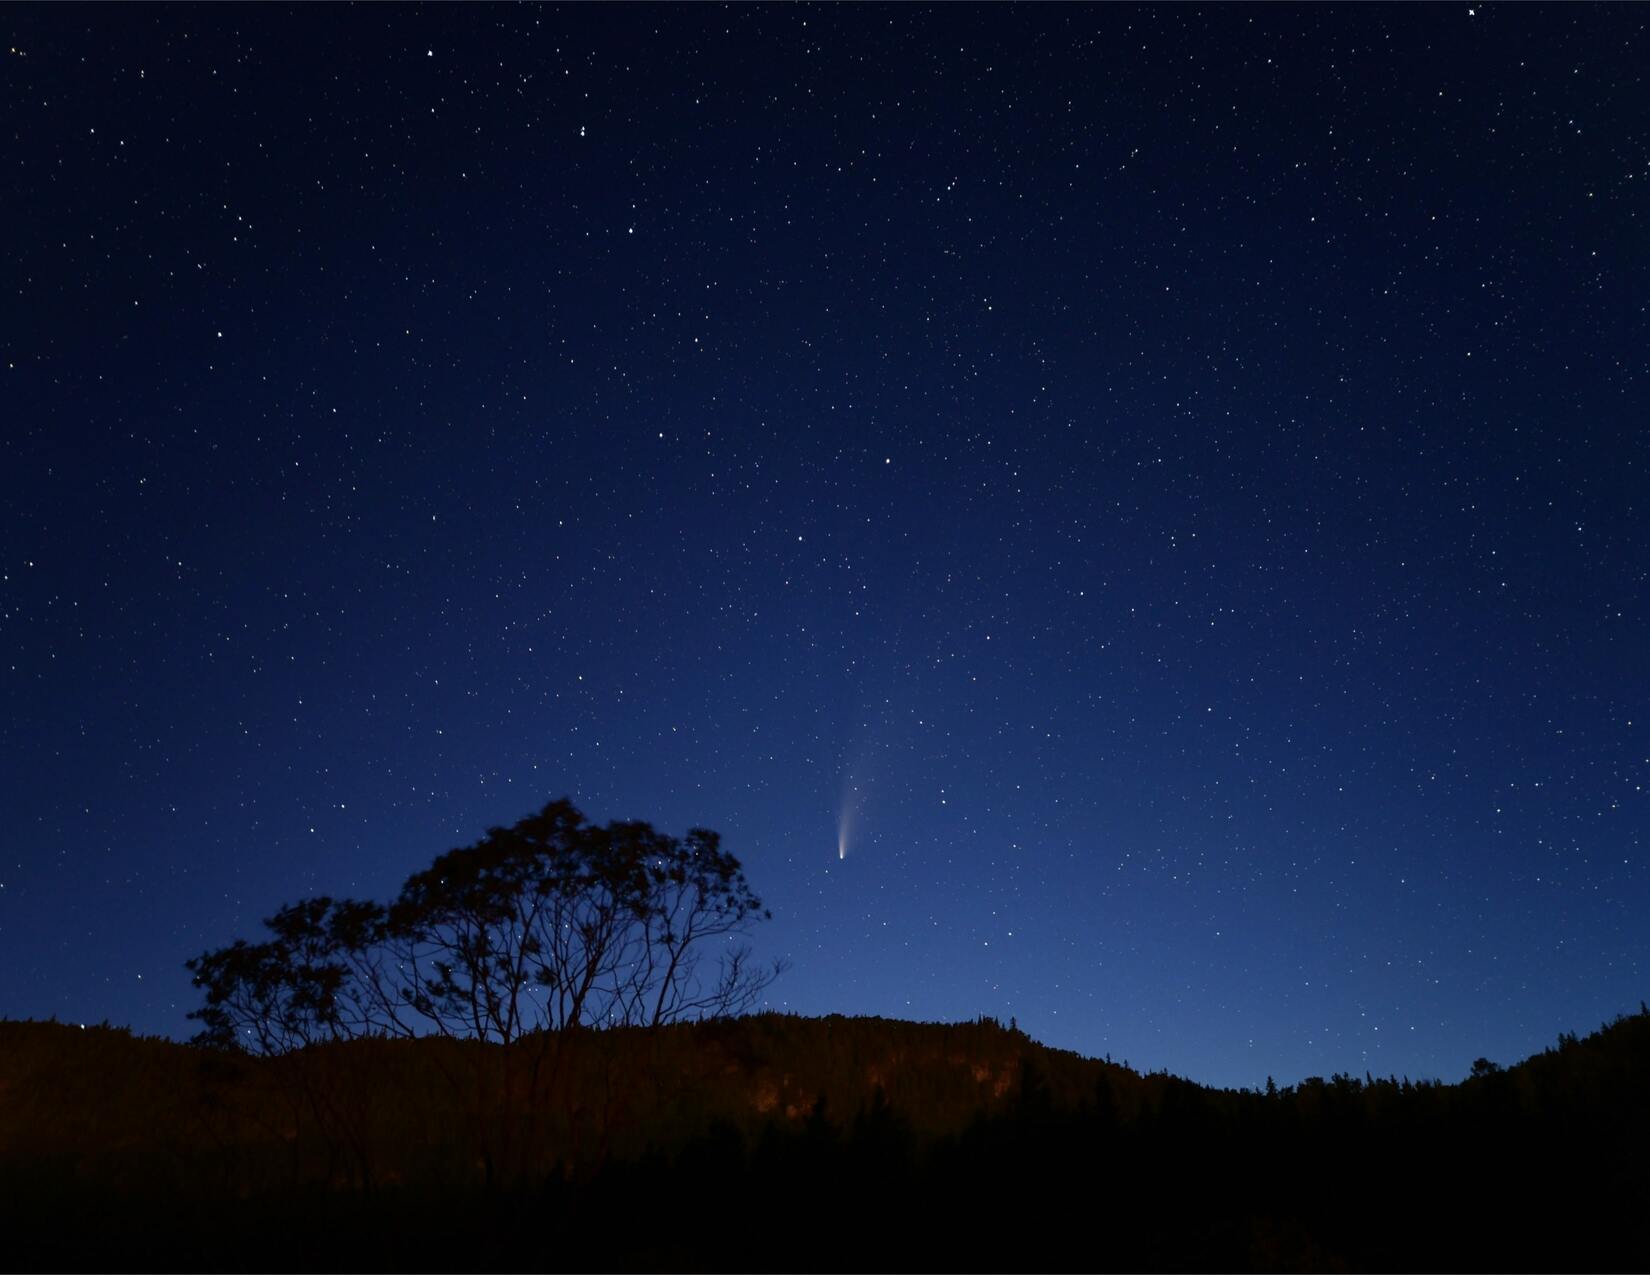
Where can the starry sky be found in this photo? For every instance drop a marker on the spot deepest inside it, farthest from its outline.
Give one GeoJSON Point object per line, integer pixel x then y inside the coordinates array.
{"type": "Point", "coordinates": [1131, 519]}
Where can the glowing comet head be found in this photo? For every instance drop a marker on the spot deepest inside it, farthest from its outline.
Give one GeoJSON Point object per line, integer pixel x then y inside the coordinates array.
{"type": "Point", "coordinates": [844, 822]}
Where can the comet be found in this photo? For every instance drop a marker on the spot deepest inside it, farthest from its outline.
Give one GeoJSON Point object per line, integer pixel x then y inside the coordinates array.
{"type": "Point", "coordinates": [857, 771]}
{"type": "Point", "coordinates": [847, 814]}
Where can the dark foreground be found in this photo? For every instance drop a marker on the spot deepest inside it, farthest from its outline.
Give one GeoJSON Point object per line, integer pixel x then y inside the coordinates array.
{"type": "Point", "coordinates": [776, 1143]}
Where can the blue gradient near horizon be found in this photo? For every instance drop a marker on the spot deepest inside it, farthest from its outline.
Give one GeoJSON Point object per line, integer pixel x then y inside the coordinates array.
{"type": "Point", "coordinates": [1186, 466]}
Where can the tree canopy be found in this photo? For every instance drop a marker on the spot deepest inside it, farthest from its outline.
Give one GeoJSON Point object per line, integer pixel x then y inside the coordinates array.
{"type": "Point", "coordinates": [548, 925]}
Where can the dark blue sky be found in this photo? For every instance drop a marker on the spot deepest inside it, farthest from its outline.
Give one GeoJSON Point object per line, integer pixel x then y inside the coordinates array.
{"type": "Point", "coordinates": [1174, 479]}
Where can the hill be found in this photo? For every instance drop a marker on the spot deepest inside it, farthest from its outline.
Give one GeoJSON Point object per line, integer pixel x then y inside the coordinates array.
{"type": "Point", "coordinates": [790, 1143]}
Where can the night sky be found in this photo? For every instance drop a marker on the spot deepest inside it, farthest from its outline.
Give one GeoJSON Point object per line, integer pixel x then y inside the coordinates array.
{"type": "Point", "coordinates": [1136, 520]}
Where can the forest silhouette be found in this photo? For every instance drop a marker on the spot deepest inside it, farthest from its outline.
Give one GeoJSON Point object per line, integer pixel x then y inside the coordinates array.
{"type": "Point", "coordinates": [535, 1058]}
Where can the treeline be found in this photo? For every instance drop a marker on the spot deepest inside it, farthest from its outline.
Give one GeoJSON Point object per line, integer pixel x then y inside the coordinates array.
{"type": "Point", "coordinates": [1537, 1168]}
{"type": "Point", "coordinates": [778, 1142]}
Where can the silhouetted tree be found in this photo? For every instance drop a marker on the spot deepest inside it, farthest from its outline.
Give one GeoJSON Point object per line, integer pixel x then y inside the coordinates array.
{"type": "Point", "coordinates": [313, 980]}
{"type": "Point", "coordinates": [299, 988]}
{"type": "Point", "coordinates": [554, 924]}
{"type": "Point", "coordinates": [548, 925]}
